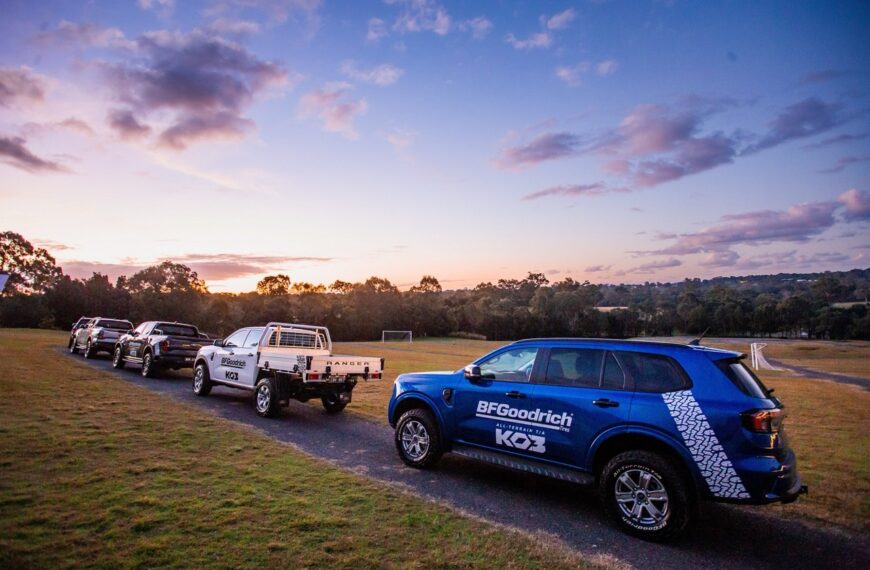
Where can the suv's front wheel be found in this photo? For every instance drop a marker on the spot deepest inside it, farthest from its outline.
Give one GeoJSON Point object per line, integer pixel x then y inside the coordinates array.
{"type": "Point", "coordinates": [646, 494]}
{"type": "Point", "coordinates": [418, 440]}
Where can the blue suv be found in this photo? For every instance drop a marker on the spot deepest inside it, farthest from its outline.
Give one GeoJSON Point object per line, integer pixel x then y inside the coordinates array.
{"type": "Point", "coordinates": [657, 427]}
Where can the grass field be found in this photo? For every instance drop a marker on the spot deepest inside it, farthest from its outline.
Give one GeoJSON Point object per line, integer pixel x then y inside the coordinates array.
{"type": "Point", "coordinates": [102, 473]}
{"type": "Point", "coordinates": [826, 422]}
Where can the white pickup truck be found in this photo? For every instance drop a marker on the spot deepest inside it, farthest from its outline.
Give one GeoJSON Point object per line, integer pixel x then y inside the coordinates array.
{"type": "Point", "coordinates": [282, 362]}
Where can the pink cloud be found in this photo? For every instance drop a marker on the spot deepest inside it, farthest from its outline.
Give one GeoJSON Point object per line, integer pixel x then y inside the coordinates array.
{"type": "Point", "coordinates": [333, 105]}
{"type": "Point", "coordinates": [856, 203]}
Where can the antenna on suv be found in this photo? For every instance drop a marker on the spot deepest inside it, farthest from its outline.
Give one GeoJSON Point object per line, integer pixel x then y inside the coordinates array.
{"type": "Point", "coordinates": [697, 341]}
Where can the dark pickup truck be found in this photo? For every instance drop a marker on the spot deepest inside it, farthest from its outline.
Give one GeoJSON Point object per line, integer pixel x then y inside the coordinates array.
{"type": "Point", "coordinates": [155, 345]}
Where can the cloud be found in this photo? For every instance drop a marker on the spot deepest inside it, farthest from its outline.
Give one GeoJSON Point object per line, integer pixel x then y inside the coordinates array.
{"type": "Point", "coordinates": [561, 20]}
{"type": "Point", "coordinates": [844, 162]}
{"type": "Point", "coordinates": [597, 268]}
{"type": "Point", "coordinates": [596, 189]}
{"type": "Point", "coordinates": [200, 81]}
{"type": "Point", "coordinates": [163, 7]}
{"type": "Point", "coordinates": [654, 266]}
{"type": "Point", "coordinates": [123, 122]}
{"type": "Point", "coordinates": [335, 108]}
{"type": "Point", "coordinates": [572, 74]}
{"type": "Point", "coordinates": [803, 119]}
{"type": "Point", "coordinates": [211, 267]}
{"type": "Point", "coordinates": [20, 85]}
{"type": "Point", "coordinates": [377, 30]}
{"type": "Point", "coordinates": [544, 147]}
{"type": "Point", "coordinates": [277, 11]}
{"type": "Point", "coordinates": [401, 140]}
{"type": "Point", "coordinates": [654, 143]}
{"type": "Point", "coordinates": [233, 27]}
{"type": "Point", "coordinates": [822, 76]}
{"type": "Point", "coordinates": [51, 245]}
{"type": "Point", "coordinates": [70, 123]}
{"type": "Point", "coordinates": [535, 41]}
{"type": "Point", "coordinates": [725, 258]}
{"type": "Point", "coordinates": [14, 152]}
{"type": "Point", "coordinates": [479, 27]}
{"type": "Point", "coordinates": [856, 203]}
{"type": "Point", "coordinates": [796, 224]}
{"type": "Point", "coordinates": [382, 75]}
{"type": "Point", "coordinates": [83, 34]}
{"type": "Point", "coordinates": [607, 67]}
{"type": "Point", "coordinates": [422, 16]}
{"type": "Point", "coordinates": [840, 139]}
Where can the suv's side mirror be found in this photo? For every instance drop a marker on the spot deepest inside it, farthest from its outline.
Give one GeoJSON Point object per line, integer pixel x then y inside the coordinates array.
{"type": "Point", "coordinates": [218, 342]}
{"type": "Point", "coordinates": [472, 373]}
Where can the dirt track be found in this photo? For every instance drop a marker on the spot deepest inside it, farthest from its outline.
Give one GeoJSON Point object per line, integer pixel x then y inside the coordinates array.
{"type": "Point", "coordinates": [726, 536]}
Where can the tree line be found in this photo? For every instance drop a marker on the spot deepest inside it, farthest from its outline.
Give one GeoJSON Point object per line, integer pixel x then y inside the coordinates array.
{"type": "Point", "coordinates": [820, 305]}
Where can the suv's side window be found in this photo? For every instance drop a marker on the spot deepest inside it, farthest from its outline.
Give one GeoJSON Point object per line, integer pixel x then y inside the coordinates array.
{"type": "Point", "coordinates": [510, 366]}
{"type": "Point", "coordinates": [577, 367]}
{"type": "Point", "coordinates": [236, 339]}
{"type": "Point", "coordinates": [613, 377]}
{"type": "Point", "coordinates": [653, 372]}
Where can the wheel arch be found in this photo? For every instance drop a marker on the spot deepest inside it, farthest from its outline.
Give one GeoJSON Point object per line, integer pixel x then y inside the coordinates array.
{"type": "Point", "coordinates": [416, 400]}
{"type": "Point", "coordinates": [608, 446]}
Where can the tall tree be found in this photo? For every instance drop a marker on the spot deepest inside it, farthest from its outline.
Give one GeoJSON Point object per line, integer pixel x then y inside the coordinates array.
{"type": "Point", "coordinates": [274, 285]}
{"type": "Point", "coordinates": [31, 269]}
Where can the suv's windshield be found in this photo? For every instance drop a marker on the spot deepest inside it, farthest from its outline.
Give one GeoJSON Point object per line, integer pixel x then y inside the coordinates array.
{"type": "Point", "coordinates": [743, 377]}
{"type": "Point", "coordinates": [177, 330]}
{"type": "Point", "coordinates": [113, 324]}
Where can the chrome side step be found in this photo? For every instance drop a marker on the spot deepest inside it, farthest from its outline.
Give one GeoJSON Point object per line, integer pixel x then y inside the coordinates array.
{"type": "Point", "coordinates": [522, 464]}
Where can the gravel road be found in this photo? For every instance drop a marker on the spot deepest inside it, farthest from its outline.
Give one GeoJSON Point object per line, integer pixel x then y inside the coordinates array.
{"type": "Point", "coordinates": [725, 536]}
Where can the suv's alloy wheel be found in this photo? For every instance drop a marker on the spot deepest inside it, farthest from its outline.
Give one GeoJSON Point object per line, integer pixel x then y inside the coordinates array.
{"type": "Point", "coordinates": [417, 438]}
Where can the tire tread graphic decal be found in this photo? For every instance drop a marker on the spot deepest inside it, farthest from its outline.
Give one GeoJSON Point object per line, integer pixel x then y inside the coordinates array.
{"type": "Point", "coordinates": [704, 446]}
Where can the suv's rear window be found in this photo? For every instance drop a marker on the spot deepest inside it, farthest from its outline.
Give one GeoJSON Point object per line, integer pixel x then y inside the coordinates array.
{"type": "Point", "coordinates": [111, 324]}
{"type": "Point", "coordinates": [743, 377]}
{"type": "Point", "coordinates": [652, 372]}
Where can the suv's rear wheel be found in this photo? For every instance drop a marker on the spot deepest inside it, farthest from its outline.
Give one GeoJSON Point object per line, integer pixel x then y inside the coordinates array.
{"type": "Point", "coordinates": [266, 398]}
{"type": "Point", "coordinates": [89, 350]}
{"type": "Point", "coordinates": [646, 494]}
{"type": "Point", "coordinates": [118, 358]}
{"type": "Point", "coordinates": [418, 440]}
{"type": "Point", "coordinates": [73, 349]}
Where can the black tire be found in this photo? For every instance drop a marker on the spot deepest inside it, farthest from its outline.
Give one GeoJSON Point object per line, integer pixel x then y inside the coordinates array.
{"type": "Point", "coordinates": [118, 357]}
{"type": "Point", "coordinates": [333, 404]}
{"type": "Point", "coordinates": [89, 350]}
{"type": "Point", "coordinates": [73, 349]}
{"type": "Point", "coordinates": [148, 367]}
{"type": "Point", "coordinates": [656, 501]}
{"type": "Point", "coordinates": [426, 449]}
{"type": "Point", "coordinates": [201, 380]}
{"type": "Point", "coordinates": [266, 398]}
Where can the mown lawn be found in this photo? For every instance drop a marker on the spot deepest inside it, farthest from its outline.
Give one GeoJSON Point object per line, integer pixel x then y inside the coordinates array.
{"type": "Point", "coordinates": [95, 472]}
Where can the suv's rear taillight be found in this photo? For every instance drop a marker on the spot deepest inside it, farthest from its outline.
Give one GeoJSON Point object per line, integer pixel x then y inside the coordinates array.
{"type": "Point", "coordinates": [100, 334]}
{"type": "Point", "coordinates": [763, 421]}
{"type": "Point", "coordinates": [164, 346]}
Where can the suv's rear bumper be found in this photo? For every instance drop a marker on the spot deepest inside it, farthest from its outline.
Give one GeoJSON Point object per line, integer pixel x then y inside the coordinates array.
{"type": "Point", "coordinates": [180, 359]}
{"type": "Point", "coordinates": [771, 481]}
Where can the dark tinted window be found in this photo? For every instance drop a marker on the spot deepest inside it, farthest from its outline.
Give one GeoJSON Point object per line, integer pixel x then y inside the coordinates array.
{"type": "Point", "coordinates": [652, 372]}
{"type": "Point", "coordinates": [113, 324]}
{"type": "Point", "coordinates": [743, 378]}
{"type": "Point", "coordinates": [613, 377]}
{"type": "Point", "coordinates": [578, 367]}
{"type": "Point", "coordinates": [177, 330]}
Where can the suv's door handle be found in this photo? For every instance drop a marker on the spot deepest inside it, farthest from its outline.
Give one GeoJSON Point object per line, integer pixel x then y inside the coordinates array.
{"type": "Point", "coordinates": [515, 394]}
{"type": "Point", "coordinates": [605, 403]}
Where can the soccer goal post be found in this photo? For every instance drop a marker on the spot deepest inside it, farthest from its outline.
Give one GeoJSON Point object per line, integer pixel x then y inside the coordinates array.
{"type": "Point", "coordinates": [397, 336]}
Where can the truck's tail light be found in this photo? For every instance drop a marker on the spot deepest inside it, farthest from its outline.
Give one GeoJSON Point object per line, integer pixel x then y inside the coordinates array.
{"type": "Point", "coordinates": [164, 346]}
{"type": "Point", "coordinates": [100, 334]}
{"type": "Point", "coordinates": [763, 421]}
{"type": "Point", "coordinates": [314, 376]}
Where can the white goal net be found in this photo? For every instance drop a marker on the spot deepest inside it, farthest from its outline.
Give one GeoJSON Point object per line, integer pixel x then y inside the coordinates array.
{"type": "Point", "coordinates": [397, 336]}
{"type": "Point", "coordinates": [758, 360]}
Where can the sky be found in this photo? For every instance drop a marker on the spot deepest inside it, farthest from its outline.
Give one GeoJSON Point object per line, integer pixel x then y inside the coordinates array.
{"type": "Point", "coordinates": [609, 141]}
